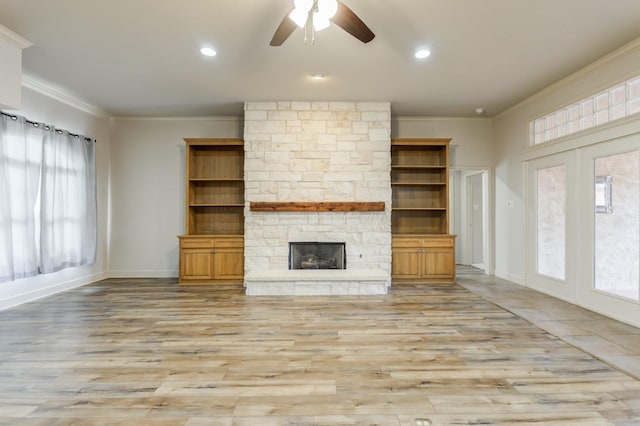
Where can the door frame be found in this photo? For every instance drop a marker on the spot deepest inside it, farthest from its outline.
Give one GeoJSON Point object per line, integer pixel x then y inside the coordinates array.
{"type": "Point", "coordinates": [461, 227]}
{"type": "Point", "coordinates": [470, 210]}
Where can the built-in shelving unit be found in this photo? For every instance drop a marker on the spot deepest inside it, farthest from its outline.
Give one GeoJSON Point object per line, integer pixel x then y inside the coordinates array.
{"type": "Point", "coordinates": [419, 183]}
{"type": "Point", "coordinates": [215, 187]}
{"type": "Point", "coordinates": [214, 211]}
{"type": "Point", "coordinates": [422, 248]}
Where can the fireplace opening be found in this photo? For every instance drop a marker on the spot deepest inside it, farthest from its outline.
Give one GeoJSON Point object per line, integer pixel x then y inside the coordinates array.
{"type": "Point", "coordinates": [315, 255]}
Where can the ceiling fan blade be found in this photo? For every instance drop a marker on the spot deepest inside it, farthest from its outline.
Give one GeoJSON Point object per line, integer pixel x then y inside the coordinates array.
{"type": "Point", "coordinates": [284, 30]}
{"type": "Point", "coordinates": [349, 21]}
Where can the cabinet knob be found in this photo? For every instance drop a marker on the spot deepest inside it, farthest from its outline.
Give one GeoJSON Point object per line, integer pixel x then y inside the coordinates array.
{"type": "Point", "coordinates": [213, 250]}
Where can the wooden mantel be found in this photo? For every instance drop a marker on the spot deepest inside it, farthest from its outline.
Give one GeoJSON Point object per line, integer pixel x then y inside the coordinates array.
{"type": "Point", "coordinates": [310, 206]}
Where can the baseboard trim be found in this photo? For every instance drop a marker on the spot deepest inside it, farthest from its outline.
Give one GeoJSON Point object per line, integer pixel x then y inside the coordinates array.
{"type": "Point", "coordinates": [39, 293]}
{"type": "Point", "coordinates": [510, 277]}
{"type": "Point", "coordinates": [167, 273]}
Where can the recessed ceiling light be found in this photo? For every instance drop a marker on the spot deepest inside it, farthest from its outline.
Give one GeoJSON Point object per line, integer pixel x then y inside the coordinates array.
{"type": "Point", "coordinates": [318, 76]}
{"type": "Point", "coordinates": [422, 53]}
{"type": "Point", "coordinates": [479, 110]}
{"type": "Point", "coordinates": [207, 51]}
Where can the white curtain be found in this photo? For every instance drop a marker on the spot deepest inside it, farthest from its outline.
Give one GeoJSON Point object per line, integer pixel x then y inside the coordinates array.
{"type": "Point", "coordinates": [20, 160]}
{"type": "Point", "coordinates": [68, 205]}
{"type": "Point", "coordinates": [47, 199]}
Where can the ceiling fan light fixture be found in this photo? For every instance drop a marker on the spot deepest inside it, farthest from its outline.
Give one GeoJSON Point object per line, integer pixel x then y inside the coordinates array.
{"type": "Point", "coordinates": [327, 8]}
{"type": "Point", "coordinates": [299, 16]}
{"type": "Point", "coordinates": [316, 15]}
{"type": "Point", "coordinates": [320, 22]}
{"type": "Point", "coordinates": [304, 5]}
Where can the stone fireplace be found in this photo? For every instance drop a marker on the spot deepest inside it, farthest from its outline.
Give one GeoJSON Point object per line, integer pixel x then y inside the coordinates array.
{"type": "Point", "coordinates": [318, 153]}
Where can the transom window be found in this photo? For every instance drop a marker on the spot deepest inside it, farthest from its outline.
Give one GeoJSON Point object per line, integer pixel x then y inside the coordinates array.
{"type": "Point", "coordinates": [619, 101]}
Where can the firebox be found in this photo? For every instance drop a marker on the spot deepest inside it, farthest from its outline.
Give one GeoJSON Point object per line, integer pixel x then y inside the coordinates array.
{"type": "Point", "coordinates": [317, 255]}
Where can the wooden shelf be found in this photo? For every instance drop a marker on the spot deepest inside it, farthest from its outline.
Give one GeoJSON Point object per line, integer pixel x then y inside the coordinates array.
{"type": "Point", "coordinates": [416, 167]}
{"type": "Point", "coordinates": [417, 209]}
{"type": "Point", "coordinates": [215, 186]}
{"type": "Point", "coordinates": [417, 183]}
{"type": "Point", "coordinates": [212, 250]}
{"type": "Point", "coordinates": [216, 180]}
{"type": "Point", "coordinates": [216, 205]}
{"type": "Point", "coordinates": [422, 251]}
{"type": "Point", "coordinates": [420, 186]}
{"type": "Point", "coordinates": [308, 206]}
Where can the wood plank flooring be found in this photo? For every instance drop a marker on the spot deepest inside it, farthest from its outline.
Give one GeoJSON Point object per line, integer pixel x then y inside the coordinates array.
{"type": "Point", "coordinates": [150, 352]}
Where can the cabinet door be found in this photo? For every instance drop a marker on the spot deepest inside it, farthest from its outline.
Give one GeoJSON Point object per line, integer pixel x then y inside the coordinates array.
{"type": "Point", "coordinates": [438, 263]}
{"type": "Point", "coordinates": [228, 264]}
{"type": "Point", "coordinates": [196, 264]}
{"type": "Point", "coordinates": [405, 264]}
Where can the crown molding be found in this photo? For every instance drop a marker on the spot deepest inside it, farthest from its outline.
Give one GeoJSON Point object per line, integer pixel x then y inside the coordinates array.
{"type": "Point", "coordinates": [13, 38]}
{"type": "Point", "coordinates": [171, 118]}
{"type": "Point", "coordinates": [43, 89]}
{"type": "Point", "coordinates": [450, 118]}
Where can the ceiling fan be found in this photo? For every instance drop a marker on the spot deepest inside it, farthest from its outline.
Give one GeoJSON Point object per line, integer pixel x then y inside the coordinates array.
{"type": "Point", "coordinates": [317, 15]}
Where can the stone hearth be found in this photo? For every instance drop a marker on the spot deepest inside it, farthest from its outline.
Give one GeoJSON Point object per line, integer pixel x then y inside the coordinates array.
{"type": "Point", "coordinates": [328, 282]}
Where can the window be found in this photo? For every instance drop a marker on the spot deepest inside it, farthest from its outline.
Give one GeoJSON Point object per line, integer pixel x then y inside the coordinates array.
{"type": "Point", "coordinates": [616, 102]}
{"type": "Point", "coordinates": [47, 199]}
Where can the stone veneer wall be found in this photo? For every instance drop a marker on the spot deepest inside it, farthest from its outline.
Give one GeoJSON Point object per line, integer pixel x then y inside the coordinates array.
{"type": "Point", "coordinates": [317, 151]}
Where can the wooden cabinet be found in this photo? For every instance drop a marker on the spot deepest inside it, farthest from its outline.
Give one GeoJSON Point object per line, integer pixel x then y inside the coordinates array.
{"type": "Point", "coordinates": [429, 259]}
{"type": "Point", "coordinates": [212, 250]}
{"type": "Point", "coordinates": [422, 248]}
{"type": "Point", "coordinates": [211, 259]}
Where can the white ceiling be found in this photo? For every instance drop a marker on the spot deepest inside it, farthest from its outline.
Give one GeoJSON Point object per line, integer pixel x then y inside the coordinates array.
{"type": "Point", "coordinates": [141, 57]}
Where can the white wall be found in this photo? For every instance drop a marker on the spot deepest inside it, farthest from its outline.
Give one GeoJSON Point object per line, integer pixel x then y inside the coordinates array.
{"type": "Point", "coordinates": [472, 138]}
{"type": "Point", "coordinates": [38, 107]}
{"type": "Point", "coordinates": [147, 193]}
{"type": "Point", "coordinates": [512, 137]}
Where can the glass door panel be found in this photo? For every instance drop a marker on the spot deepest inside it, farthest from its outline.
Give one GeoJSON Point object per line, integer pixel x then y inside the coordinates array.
{"type": "Point", "coordinates": [551, 220]}
{"type": "Point", "coordinates": [617, 224]}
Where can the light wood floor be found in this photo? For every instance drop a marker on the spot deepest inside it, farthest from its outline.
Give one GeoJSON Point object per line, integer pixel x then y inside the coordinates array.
{"type": "Point", "coordinates": [148, 352]}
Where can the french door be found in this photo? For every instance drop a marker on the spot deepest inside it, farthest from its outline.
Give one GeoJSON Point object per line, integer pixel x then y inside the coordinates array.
{"type": "Point", "coordinates": [551, 225]}
{"type": "Point", "coordinates": [610, 282]}
{"type": "Point", "coordinates": [583, 226]}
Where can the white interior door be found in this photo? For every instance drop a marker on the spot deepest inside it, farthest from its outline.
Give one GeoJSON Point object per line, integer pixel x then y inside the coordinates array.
{"type": "Point", "coordinates": [475, 212]}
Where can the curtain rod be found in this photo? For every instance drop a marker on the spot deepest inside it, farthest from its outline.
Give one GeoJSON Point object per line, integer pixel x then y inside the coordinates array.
{"type": "Point", "coordinates": [47, 127]}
